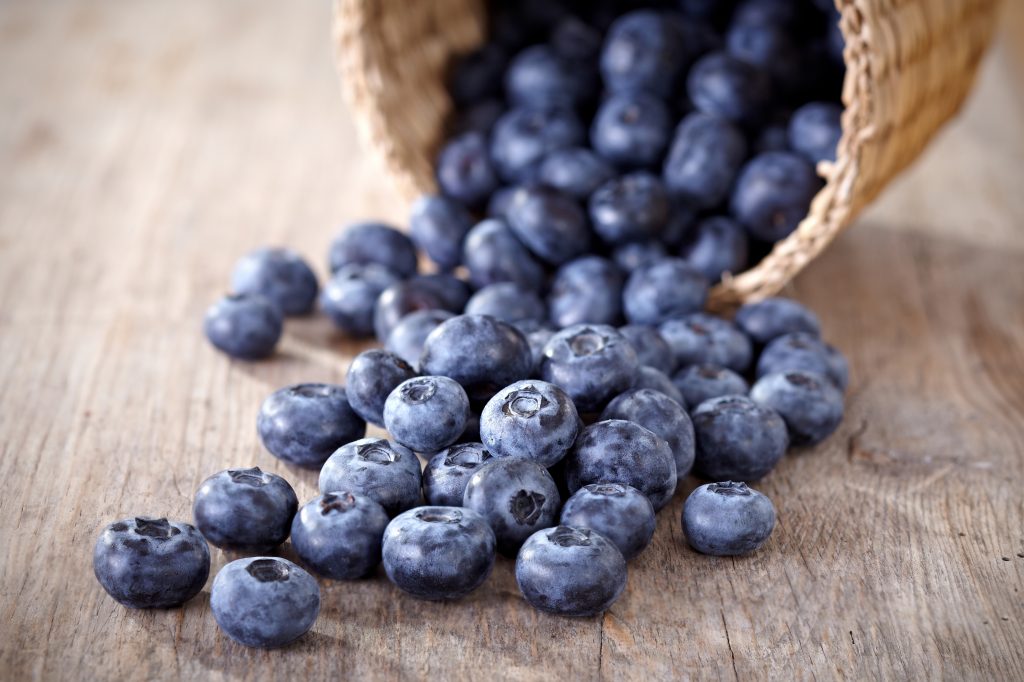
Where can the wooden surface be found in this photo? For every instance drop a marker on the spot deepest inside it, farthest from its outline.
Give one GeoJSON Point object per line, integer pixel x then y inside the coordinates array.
{"type": "Point", "coordinates": [144, 145]}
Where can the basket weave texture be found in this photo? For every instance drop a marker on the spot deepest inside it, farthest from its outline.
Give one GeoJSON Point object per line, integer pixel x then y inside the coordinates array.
{"type": "Point", "coordinates": [909, 66]}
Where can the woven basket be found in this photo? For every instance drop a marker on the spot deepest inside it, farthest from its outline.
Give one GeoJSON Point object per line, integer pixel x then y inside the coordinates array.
{"type": "Point", "coordinates": [909, 66]}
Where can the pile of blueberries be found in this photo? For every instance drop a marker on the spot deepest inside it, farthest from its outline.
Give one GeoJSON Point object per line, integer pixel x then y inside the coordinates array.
{"type": "Point", "coordinates": [557, 372]}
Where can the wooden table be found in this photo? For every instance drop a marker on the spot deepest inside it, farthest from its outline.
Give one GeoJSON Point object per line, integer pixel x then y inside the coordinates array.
{"type": "Point", "coordinates": [145, 145]}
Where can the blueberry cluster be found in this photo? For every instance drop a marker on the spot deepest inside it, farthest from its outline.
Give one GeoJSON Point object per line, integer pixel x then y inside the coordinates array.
{"type": "Point", "coordinates": [560, 462]}
{"type": "Point", "coordinates": [557, 372]}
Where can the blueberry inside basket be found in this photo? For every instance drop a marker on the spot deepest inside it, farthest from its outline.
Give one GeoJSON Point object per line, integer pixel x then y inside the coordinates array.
{"type": "Point", "coordinates": [909, 66]}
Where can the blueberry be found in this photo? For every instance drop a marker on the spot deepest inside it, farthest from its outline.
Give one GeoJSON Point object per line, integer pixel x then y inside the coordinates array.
{"type": "Point", "coordinates": [659, 382]}
{"type": "Point", "coordinates": [722, 85]}
{"type": "Point", "coordinates": [586, 290]}
{"type": "Point", "coordinates": [531, 420]}
{"type": "Point", "coordinates": [147, 563]}
{"type": "Point", "coordinates": [815, 129]}
{"type": "Point", "coordinates": [619, 451]}
{"type": "Point", "coordinates": [704, 160]}
{"type": "Point", "coordinates": [632, 207]}
{"type": "Point", "coordinates": [768, 47]}
{"type": "Point", "coordinates": [507, 302]}
{"type": "Point", "coordinates": [477, 75]}
{"type": "Point", "coordinates": [539, 76]}
{"type": "Point", "coordinates": [642, 52]}
{"type": "Point", "coordinates": [303, 424]}
{"type": "Point", "coordinates": [704, 381]}
{"type": "Point", "coordinates": [631, 130]}
{"type": "Point", "coordinates": [371, 377]}
{"type": "Point", "coordinates": [378, 243]}
{"type": "Point", "coordinates": [464, 169]}
{"type": "Point", "coordinates": [650, 346]}
{"type": "Point", "coordinates": [447, 473]}
{"type": "Point", "coordinates": [771, 318]}
{"type": "Point", "coordinates": [717, 246]}
{"type": "Point", "coordinates": [454, 350]}
{"type": "Point", "coordinates": [804, 352]}
{"type": "Point", "coordinates": [449, 289]}
{"type": "Point", "coordinates": [264, 602]}
{"type": "Point", "coordinates": [592, 363]}
{"type": "Point", "coordinates": [632, 255]}
{"type": "Point", "coordinates": [386, 472]}
{"type": "Point", "coordinates": [662, 416]}
{"type": "Point", "coordinates": [245, 510]}
{"type": "Point", "coordinates": [338, 535]}
{"type": "Point", "coordinates": [427, 414]}
{"type": "Point", "coordinates": [517, 497]}
{"type": "Point", "coordinates": [438, 552]}
{"type": "Point", "coordinates": [727, 519]}
{"type": "Point", "coordinates": [280, 275]}
{"type": "Point", "coordinates": [438, 225]}
{"type": "Point", "coordinates": [620, 513]}
{"type": "Point", "coordinates": [773, 194]}
{"type": "Point", "coordinates": [551, 224]}
{"type": "Point", "coordinates": [809, 403]}
{"type": "Point", "coordinates": [350, 295]}
{"type": "Point", "coordinates": [663, 290]}
{"type": "Point", "coordinates": [575, 171]}
{"type": "Point", "coordinates": [702, 338]}
{"type": "Point", "coordinates": [737, 439]}
{"type": "Point", "coordinates": [399, 300]}
{"type": "Point", "coordinates": [407, 337]}
{"type": "Point", "coordinates": [570, 571]}
{"type": "Point", "coordinates": [493, 253]}
{"type": "Point", "coordinates": [525, 135]}
{"type": "Point", "coordinates": [245, 326]}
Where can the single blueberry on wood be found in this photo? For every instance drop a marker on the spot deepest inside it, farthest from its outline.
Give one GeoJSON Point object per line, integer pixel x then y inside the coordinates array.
{"type": "Point", "coordinates": [727, 519]}
{"type": "Point", "coordinates": [809, 403]}
{"type": "Point", "coordinates": [386, 472]}
{"type": "Point", "coordinates": [619, 451]}
{"type": "Point", "coordinates": [704, 381]}
{"type": "Point", "coordinates": [438, 552]}
{"type": "Point", "coordinates": [591, 363]}
{"type": "Point", "coordinates": [338, 535]}
{"type": "Point", "coordinates": [305, 423]}
{"type": "Point", "coordinates": [427, 414]}
{"type": "Point", "coordinates": [371, 377]}
{"type": "Point", "coordinates": [150, 563]}
{"type": "Point", "coordinates": [447, 473]}
{"type": "Point", "coordinates": [364, 243]}
{"type": "Point", "coordinates": [621, 513]}
{"type": "Point", "coordinates": [662, 416]}
{"type": "Point", "coordinates": [245, 326]}
{"type": "Point", "coordinates": [351, 294]}
{"type": "Point", "coordinates": [453, 350]}
{"type": "Point", "coordinates": [247, 510]}
{"type": "Point", "coordinates": [264, 602]}
{"type": "Point", "coordinates": [737, 439]}
{"type": "Point", "coordinates": [516, 497]}
{"type": "Point", "coordinates": [280, 275]}
{"type": "Point", "coordinates": [531, 420]}
{"type": "Point", "coordinates": [570, 571]}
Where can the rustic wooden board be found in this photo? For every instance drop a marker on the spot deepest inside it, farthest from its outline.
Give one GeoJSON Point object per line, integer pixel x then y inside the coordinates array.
{"type": "Point", "coordinates": [145, 145]}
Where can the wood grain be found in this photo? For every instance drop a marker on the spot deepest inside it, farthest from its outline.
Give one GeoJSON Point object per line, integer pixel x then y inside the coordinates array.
{"type": "Point", "coordinates": [145, 145]}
